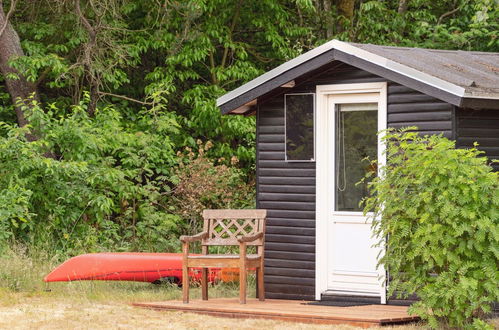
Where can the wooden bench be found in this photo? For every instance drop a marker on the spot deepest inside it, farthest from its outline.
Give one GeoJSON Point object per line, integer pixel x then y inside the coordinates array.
{"type": "Point", "coordinates": [241, 228]}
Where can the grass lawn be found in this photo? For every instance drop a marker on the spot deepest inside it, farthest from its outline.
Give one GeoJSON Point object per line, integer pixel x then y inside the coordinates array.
{"type": "Point", "coordinates": [27, 302]}
{"type": "Point", "coordinates": [103, 305]}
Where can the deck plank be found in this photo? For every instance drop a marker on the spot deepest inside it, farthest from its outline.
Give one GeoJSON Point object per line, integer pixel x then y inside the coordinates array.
{"type": "Point", "coordinates": [290, 310]}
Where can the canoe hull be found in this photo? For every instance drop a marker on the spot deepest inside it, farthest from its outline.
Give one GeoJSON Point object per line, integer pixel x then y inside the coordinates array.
{"type": "Point", "coordinates": [125, 266]}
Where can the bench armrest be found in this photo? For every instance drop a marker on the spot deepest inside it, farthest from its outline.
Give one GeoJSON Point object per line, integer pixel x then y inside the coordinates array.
{"type": "Point", "coordinates": [197, 237]}
{"type": "Point", "coordinates": [251, 238]}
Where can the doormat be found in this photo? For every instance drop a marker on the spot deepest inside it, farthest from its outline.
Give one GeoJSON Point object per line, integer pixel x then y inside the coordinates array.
{"type": "Point", "coordinates": [337, 303]}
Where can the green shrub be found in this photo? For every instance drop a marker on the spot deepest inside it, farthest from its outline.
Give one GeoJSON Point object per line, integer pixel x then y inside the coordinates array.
{"type": "Point", "coordinates": [439, 208]}
{"type": "Point", "coordinates": [107, 184]}
{"type": "Point", "coordinates": [14, 211]}
{"type": "Point", "coordinates": [201, 184]}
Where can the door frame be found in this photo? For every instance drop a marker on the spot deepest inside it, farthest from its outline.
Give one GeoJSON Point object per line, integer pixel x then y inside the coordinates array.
{"type": "Point", "coordinates": [325, 176]}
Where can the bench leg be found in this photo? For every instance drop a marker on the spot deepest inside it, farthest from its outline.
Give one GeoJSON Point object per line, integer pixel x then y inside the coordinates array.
{"type": "Point", "coordinates": [185, 273]}
{"type": "Point", "coordinates": [242, 281]}
{"type": "Point", "coordinates": [260, 284]}
{"type": "Point", "coordinates": [204, 283]}
{"type": "Point", "coordinates": [257, 288]}
{"type": "Point", "coordinates": [185, 285]}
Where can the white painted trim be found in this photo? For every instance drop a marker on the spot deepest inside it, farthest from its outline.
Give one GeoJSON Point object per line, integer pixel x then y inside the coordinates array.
{"type": "Point", "coordinates": [325, 162]}
{"type": "Point", "coordinates": [382, 126]}
{"type": "Point", "coordinates": [286, 131]}
{"type": "Point", "coordinates": [321, 197]}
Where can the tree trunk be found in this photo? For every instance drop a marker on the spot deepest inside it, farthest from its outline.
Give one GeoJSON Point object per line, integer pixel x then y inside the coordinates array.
{"type": "Point", "coordinates": [346, 7]}
{"type": "Point", "coordinates": [87, 60]}
{"type": "Point", "coordinates": [94, 97]}
{"type": "Point", "coordinates": [345, 11]}
{"type": "Point", "coordinates": [403, 4]}
{"type": "Point", "coordinates": [329, 19]}
{"type": "Point", "coordinates": [20, 90]}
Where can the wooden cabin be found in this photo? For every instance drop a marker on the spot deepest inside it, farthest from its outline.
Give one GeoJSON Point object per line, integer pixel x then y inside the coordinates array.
{"type": "Point", "coordinates": [334, 98]}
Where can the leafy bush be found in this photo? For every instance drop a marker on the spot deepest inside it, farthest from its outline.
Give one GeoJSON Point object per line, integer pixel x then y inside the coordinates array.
{"type": "Point", "coordinates": [14, 213]}
{"type": "Point", "coordinates": [204, 185]}
{"type": "Point", "coordinates": [103, 183]}
{"type": "Point", "coordinates": [439, 208]}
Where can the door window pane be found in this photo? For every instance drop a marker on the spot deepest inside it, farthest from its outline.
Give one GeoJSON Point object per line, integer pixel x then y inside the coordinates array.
{"type": "Point", "coordinates": [356, 139]}
{"type": "Point", "coordinates": [299, 127]}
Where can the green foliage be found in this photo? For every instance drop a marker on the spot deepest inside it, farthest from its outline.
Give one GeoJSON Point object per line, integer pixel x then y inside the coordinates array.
{"type": "Point", "coordinates": [462, 24]}
{"type": "Point", "coordinates": [105, 186]}
{"type": "Point", "coordinates": [116, 180]}
{"type": "Point", "coordinates": [439, 208]}
{"type": "Point", "coordinates": [201, 185]}
{"type": "Point", "coordinates": [190, 52]}
{"type": "Point", "coordinates": [14, 215]}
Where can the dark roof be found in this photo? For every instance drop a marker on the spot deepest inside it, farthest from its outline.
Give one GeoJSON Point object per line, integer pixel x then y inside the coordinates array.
{"type": "Point", "coordinates": [476, 72]}
{"type": "Point", "coordinates": [462, 78]}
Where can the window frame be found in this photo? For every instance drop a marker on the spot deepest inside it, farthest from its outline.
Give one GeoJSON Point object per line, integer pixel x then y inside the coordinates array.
{"type": "Point", "coordinates": [313, 159]}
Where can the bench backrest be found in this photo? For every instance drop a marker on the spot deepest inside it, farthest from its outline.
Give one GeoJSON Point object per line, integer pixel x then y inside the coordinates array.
{"type": "Point", "coordinates": [224, 226]}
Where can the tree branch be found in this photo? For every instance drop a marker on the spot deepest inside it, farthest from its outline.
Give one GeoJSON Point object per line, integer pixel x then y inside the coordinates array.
{"type": "Point", "coordinates": [85, 22]}
{"type": "Point", "coordinates": [444, 15]}
{"type": "Point", "coordinates": [214, 79]}
{"type": "Point", "coordinates": [126, 98]}
{"type": "Point", "coordinates": [42, 76]}
{"type": "Point", "coordinates": [259, 56]}
{"type": "Point", "coordinates": [9, 14]}
{"type": "Point", "coordinates": [231, 30]}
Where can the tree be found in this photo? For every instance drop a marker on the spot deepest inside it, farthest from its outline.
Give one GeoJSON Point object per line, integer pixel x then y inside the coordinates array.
{"type": "Point", "coordinates": [19, 88]}
{"type": "Point", "coordinates": [125, 84]}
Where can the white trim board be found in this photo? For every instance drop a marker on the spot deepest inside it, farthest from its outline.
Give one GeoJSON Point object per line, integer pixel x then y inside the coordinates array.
{"type": "Point", "coordinates": [350, 93]}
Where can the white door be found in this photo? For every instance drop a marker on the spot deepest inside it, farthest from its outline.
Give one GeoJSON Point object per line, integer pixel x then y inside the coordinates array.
{"type": "Point", "coordinates": [352, 117]}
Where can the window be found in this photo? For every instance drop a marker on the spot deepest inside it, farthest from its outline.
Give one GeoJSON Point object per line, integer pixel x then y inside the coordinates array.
{"type": "Point", "coordinates": [299, 121]}
{"type": "Point", "coordinates": [355, 146]}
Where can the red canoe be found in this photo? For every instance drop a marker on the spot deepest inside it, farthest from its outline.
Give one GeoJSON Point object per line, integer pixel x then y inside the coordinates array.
{"type": "Point", "coordinates": [125, 266]}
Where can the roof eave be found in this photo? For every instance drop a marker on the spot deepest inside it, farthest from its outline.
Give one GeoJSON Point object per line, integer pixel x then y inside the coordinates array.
{"type": "Point", "coordinates": [282, 77]}
{"type": "Point", "coordinates": [355, 56]}
{"type": "Point", "coordinates": [474, 102]}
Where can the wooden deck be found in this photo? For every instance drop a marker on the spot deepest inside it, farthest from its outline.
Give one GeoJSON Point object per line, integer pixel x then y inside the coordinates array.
{"type": "Point", "coordinates": [291, 311]}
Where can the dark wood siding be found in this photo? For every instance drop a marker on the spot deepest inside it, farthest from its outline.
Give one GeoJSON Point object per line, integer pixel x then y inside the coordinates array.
{"type": "Point", "coordinates": [287, 189]}
{"type": "Point", "coordinates": [481, 126]}
{"type": "Point", "coordinates": [407, 107]}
